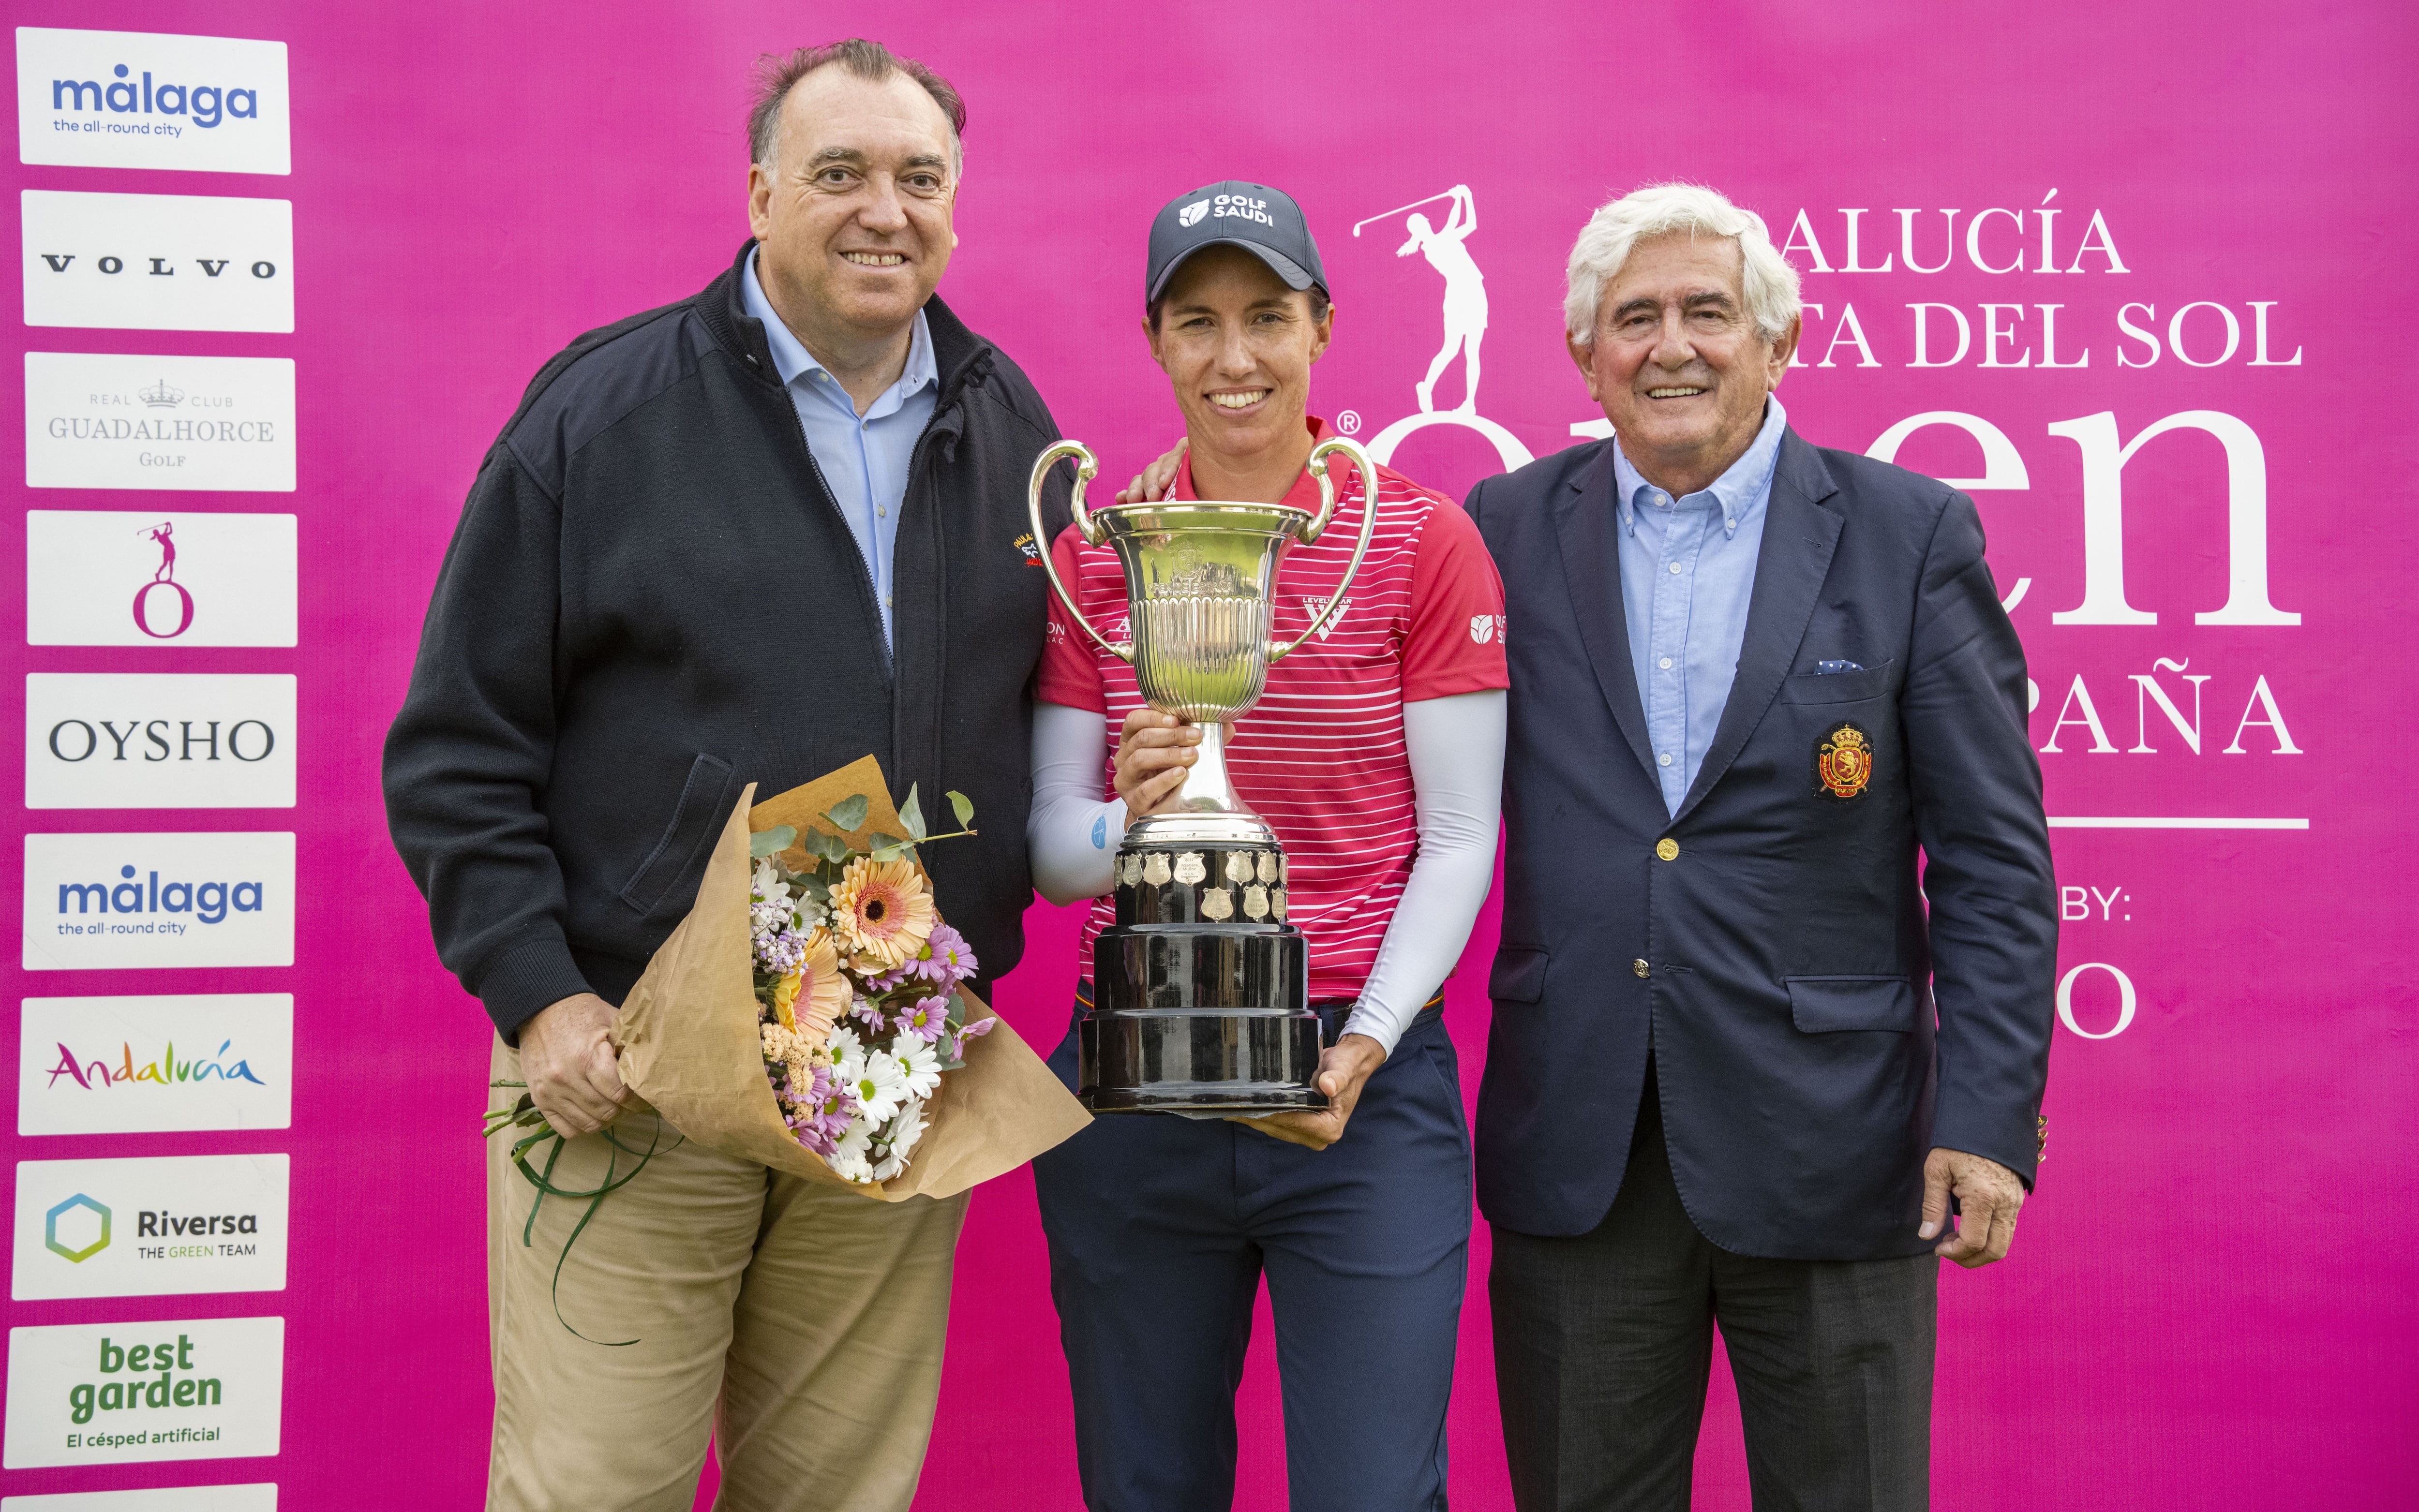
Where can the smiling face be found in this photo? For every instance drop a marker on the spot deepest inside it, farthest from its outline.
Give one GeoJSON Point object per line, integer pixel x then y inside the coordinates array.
{"type": "Point", "coordinates": [853, 216]}
{"type": "Point", "coordinates": [1238, 345]}
{"type": "Point", "coordinates": [1676, 361]}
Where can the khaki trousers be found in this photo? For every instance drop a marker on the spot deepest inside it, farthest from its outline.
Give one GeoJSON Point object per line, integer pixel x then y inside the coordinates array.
{"type": "Point", "coordinates": [799, 1324]}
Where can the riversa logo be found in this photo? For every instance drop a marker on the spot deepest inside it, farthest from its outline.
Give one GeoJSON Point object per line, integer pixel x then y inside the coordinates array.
{"type": "Point", "coordinates": [163, 1070]}
{"type": "Point", "coordinates": [204, 105]}
{"type": "Point", "coordinates": [205, 901]}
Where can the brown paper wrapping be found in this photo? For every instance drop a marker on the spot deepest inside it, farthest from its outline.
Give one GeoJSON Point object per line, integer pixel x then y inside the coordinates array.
{"type": "Point", "coordinates": [690, 1044]}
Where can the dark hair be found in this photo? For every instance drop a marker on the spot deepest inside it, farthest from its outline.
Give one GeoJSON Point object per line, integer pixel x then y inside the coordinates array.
{"type": "Point", "coordinates": [776, 74]}
{"type": "Point", "coordinates": [1318, 303]}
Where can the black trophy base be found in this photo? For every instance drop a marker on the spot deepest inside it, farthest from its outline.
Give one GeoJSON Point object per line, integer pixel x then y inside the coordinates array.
{"type": "Point", "coordinates": [1202, 989]}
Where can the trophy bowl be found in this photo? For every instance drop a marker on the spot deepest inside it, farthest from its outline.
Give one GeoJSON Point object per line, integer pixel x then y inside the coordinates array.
{"type": "Point", "coordinates": [1202, 995]}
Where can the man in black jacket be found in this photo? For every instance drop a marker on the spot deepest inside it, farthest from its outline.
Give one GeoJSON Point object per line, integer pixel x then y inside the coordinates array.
{"type": "Point", "coordinates": [750, 537]}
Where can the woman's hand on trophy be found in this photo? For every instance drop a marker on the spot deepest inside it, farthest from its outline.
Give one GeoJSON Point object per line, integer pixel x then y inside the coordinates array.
{"type": "Point", "coordinates": [1152, 484]}
{"type": "Point", "coordinates": [1154, 752]}
{"type": "Point", "coordinates": [1344, 1067]}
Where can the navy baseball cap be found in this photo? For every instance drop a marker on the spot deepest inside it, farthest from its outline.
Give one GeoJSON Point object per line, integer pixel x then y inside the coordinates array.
{"type": "Point", "coordinates": [1263, 222]}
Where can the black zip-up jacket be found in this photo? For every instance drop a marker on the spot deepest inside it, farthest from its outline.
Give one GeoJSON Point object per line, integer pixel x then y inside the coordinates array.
{"type": "Point", "coordinates": [652, 600]}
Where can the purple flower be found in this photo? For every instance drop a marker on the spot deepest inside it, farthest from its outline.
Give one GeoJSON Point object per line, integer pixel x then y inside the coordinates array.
{"type": "Point", "coordinates": [970, 1031]}
{"type": "Point", "coordinates": [925, 1017]}
{"type": "Point", "coordinates": [823, 1113]}
{"type": "Point", "coordinates": [946, 959]}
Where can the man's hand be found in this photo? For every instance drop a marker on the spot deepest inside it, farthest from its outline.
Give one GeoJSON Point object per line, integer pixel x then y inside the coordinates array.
{"type": "Point", "coordinates": [1988, 1195]}
{"type": "Point", "coordinates": [1152, 484]}
{"type": "Point", "coordinates": [567, 1060]}
{"type": "Point", "coordinates": [1343, 1066]}
{"type": "Point", "coordinates": [1154, 752]}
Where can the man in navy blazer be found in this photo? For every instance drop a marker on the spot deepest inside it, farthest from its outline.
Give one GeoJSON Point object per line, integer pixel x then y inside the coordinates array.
{"type": "Point", "coordinates": [1775, 990]}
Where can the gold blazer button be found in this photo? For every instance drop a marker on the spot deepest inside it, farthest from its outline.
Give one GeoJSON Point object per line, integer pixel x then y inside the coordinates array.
{"type": "Point", "coordinates": [1668, 848]}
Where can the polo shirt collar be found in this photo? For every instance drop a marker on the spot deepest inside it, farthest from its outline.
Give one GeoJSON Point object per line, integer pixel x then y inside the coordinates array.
{"type": "Point", "coordinates": [1304, 494]}
{"type": "Point", "coordinates": [791, 360]}
{"type": "Point", "coordinates": [1738, 493]}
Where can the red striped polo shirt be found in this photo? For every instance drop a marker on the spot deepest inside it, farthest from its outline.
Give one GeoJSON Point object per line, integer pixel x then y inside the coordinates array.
{"type": "Point", "coordinates": [1321, 756]}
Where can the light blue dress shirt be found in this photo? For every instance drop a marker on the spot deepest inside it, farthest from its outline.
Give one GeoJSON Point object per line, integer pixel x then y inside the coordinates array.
{"type": "Point", "coordinates": [863, 457]}
{"type": "Point", "coordinates": [1687, 570]}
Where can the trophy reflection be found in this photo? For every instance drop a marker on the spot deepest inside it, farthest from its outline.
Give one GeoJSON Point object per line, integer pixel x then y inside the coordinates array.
{"type": "Point", "coordinates": [1201, 987]}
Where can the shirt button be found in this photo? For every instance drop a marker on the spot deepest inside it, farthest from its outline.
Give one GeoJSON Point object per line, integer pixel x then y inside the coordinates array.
{"type": "Point", "coordinates": [1665, 759]}
{"type": "Point", "coordinates": [1665, 664]}
{"type": "Point", "coordinates": [883, 509]}
{"type": "Point", "coordinates": [1641, 968]}
{"type": "Point", "coordinates": [1668, 848]}
{"type": "Point", "coordinates": [1675, 567]}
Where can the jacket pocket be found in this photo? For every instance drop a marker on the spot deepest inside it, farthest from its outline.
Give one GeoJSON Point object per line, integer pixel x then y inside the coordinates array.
{"type": "Point", "coordinates": [1826, 1005]}
{"type": "Point", "coordinates": [685, 837]}
{"type": "Point", "coordinates": [1838, 687]}
{"type": "Point", "coordinates": [1518, 974]}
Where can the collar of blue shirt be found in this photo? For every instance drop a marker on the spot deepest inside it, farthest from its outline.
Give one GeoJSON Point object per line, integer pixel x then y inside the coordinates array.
{"type": "Point", "coordinates": [791, 360]}
{"type": "Point", "coordinates": [1740, 491]}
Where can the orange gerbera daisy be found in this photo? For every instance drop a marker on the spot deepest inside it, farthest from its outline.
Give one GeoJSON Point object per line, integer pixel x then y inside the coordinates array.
{"type": "Point", "coordinates": [811, 999]}
{"type": "Point", "coordinates": [881, 911]}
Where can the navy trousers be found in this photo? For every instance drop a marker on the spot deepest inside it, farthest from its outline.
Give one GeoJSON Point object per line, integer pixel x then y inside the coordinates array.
{"type": "Point", "coordinates": [1159, 1230]}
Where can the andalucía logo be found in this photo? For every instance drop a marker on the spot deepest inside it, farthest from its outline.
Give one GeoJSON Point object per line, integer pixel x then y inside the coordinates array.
{"type": "Point", "coordinates": [163, 1070]}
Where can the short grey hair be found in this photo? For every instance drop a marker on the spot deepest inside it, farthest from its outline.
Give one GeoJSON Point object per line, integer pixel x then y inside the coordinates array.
{"type": "Point", "coordinates": [778, 73]}
{"type": "Point", "coordinates": [1604, 241]}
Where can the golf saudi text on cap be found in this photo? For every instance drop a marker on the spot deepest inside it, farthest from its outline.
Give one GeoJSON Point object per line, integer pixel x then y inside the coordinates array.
{"type": "Point", "coordinates": [1263, 222]}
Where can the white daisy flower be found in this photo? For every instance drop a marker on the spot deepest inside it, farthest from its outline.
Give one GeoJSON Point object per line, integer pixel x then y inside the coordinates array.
{"type": "Point", "coordinates": [853, 1156]}
{"type": "Point", "coordinates": [874, 1079]}
{"type": "Point", "coordinates": [918, 1066]}
{"type": "Point", "coordinates": [908, 1128]}
{"type": "Point", "coordinates": [844, 1043]}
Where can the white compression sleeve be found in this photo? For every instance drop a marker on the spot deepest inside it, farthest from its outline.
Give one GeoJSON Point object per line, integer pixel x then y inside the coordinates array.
{"type": "Point", "coordinates": [1457, 751]}
{"type": "Point", "coordinates": [1071, 836]}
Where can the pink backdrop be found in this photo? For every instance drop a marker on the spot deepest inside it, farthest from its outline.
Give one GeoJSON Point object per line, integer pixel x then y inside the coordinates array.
{"type": "Point", "coordinates": [2205, 1307]}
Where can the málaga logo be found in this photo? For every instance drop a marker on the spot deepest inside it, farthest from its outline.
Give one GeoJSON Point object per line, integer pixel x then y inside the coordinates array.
{"type": "Point", "coordinates": [204, 105]}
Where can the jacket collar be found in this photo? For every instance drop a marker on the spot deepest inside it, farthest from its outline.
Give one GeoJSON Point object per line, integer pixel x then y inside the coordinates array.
{"type": "Point", "coordinates": [961, 356]}
{"type": "Point", "coordinates": [1800, 533]}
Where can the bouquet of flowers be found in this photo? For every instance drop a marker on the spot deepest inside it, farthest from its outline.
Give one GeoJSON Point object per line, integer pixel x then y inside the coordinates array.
{"type": "Point", "coordinates": [856, 984]}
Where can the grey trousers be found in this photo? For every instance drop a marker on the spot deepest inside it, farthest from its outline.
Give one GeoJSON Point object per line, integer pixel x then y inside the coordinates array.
{"type": "Point", "coordinates": [1603, 1343]}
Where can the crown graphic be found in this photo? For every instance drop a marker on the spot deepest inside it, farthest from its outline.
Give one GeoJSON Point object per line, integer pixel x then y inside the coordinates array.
{"type": "Point", "coordinates": [161, 396]}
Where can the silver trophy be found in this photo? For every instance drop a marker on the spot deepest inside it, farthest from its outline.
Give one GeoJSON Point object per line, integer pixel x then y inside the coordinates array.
{"type": "Point", "coordinates": [1203, 985]}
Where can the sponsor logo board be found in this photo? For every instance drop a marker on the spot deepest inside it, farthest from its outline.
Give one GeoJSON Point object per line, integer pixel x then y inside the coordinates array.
{"type": "Point", "coordinates": [97, 1394]}
{"type": "Point", "coordinates": [118, 902]}
{"type": "Point", "coordinates": [259, 1496]}
{"type": "Point", "coordinates": [159, 740]}
{"type": "Point", "coordinates": [153, 1226]}
{"type": "Point", "coordinates": [155, 1065]}
{"type": "Point", "coordinates": [116, 421]}
{"type": "Point", "coordinates": [152, 100]}
{"type": "Point", "coordinates": [158, 262]}
{"type": "Point", "coordinates": [113, 577]}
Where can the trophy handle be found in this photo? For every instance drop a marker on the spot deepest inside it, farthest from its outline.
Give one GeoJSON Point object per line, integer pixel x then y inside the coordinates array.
{"type": "Point", "coordinates": [1318, 524]}
{"type": "Point", "coordinates": [1087, 467]}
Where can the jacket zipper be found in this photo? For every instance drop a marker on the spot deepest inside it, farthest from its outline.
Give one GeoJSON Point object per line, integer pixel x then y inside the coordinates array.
{"type": "Point", "coordinates": [831, 501]}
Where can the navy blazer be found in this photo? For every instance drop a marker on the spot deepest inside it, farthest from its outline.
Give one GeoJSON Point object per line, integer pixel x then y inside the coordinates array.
{"type": "Point", "coordinates": [1816, 1033]}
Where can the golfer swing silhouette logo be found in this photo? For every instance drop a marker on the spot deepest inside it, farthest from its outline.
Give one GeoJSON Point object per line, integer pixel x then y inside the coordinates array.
{"type": "Point", "coordinates": [164, 577]}
{"type": "Point", "coordinates": [1447, 250]}
{"type": "Point", "coordinates": [1465, 293]}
